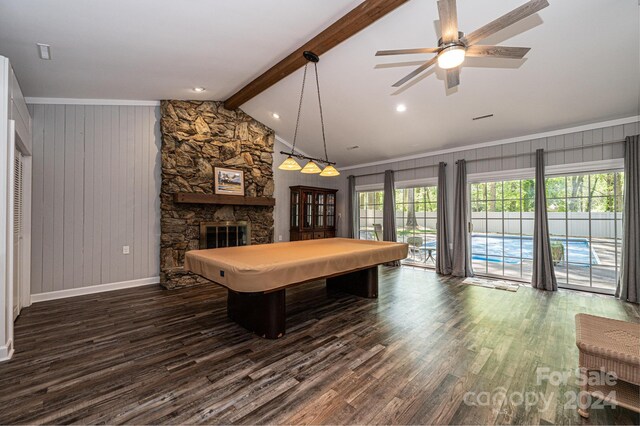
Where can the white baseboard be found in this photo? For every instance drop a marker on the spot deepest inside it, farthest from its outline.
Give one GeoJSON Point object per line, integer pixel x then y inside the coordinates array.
{"type": "Point", "coordinates": [61, 294]}
{"type": "Point", "coordinates": [6, 351]}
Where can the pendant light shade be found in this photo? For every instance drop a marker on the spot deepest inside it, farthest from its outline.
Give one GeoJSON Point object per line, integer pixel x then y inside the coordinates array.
{"type": "Point", "coordinates": [289, 164]}
{"type": "Point", "coordinates": [329, 171]}
{"type": "Point", "coordinates": [311, 168]}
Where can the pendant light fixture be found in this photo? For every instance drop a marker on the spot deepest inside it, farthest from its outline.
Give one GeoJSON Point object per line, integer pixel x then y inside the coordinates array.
{"type": "Point", "coordinates": [311, 167]}
{"type": "Point", "coordinates": [289, 164]}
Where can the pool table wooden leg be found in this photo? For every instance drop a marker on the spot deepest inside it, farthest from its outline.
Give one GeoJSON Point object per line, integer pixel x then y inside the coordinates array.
{"type": "Point", "coordinates": [363, 283]}
{"type": "Point", "coordinates": [262, 313]}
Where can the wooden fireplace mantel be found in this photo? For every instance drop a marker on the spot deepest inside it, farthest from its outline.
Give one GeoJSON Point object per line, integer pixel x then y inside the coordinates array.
{"type": "Point", "coordinates": [233, 200]}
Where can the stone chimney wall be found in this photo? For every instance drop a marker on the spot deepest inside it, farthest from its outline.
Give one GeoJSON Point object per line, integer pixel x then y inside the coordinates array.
{"type": "Point", "coordinates": [196, 137]}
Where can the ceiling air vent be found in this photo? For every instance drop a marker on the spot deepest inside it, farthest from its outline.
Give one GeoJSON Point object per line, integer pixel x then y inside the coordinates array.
{"type": "Point", "coordinates": [480, 117]}
{"type": "Point", "coordinates": [44, 51]}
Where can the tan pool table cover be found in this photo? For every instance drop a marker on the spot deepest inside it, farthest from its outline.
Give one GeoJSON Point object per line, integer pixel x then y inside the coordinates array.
{"type": "Point", "coordinates": [267, 267]}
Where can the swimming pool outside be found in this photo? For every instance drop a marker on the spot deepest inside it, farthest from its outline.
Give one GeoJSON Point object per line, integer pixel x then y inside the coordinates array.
{"type": "Point", "coordinates": [511, 256]}
{"type": "Point", "coordinates": [513, 249]}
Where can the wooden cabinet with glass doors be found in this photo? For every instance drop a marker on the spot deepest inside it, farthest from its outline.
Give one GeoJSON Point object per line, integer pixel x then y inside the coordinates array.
{"type": "Point", "coordinates": [313, 213]}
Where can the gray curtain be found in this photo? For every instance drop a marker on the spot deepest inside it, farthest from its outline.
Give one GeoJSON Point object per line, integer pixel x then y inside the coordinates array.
{"type": "Point", "coordinates": [544, 278]}
{"type": "Point", "coordinates": [389, 211]}
{"type": "Point", "coordinates": [461, 265]}
{"type": "Point", "coordinates": [629, 281]}
{"type": "Point", "coordinates": [443, 257]}
{"type": "Point", "coordinates": [352, 203]}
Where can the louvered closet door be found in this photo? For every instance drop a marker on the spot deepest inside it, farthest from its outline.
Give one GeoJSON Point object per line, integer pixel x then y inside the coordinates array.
{"type": "Point", "coordinates": [17, 230]}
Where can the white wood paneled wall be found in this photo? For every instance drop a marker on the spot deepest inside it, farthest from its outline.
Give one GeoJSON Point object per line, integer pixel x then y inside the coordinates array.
{"type": "Point", "coordinates": [96, 185]}
{"type": "Point", "coordinates": [584, 146]}
{"type": "Point", "coordinates": [574, 147]}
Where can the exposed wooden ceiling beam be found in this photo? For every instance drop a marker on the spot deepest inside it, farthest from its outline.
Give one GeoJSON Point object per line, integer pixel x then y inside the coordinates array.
{"type": "Point", "coordinates": [357, 19]}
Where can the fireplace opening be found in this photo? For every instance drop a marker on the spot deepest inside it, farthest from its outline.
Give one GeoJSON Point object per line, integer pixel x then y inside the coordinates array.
{"type": "Point", "coordinates": [224, 234]}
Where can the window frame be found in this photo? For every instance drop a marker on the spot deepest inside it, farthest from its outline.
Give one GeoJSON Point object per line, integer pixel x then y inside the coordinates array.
{"type": "Point", "coordinates": [589, 167]}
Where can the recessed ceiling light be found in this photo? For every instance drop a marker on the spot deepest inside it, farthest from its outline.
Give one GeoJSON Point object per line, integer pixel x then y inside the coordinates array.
{"type": "Point", "coordinates": [276, 115]}
{"type": "Point", "coordinates": [199, 89]}
{"type": "Point", "coordinates": [44, 51]}
{"type": "Point", "coordinates": [401, 108]}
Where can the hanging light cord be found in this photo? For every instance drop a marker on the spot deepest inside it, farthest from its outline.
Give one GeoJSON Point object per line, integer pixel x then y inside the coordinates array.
{"type": "Point", "coordinates": [324, 140]}
{"type": "Point", "coordinates": [295, 135]}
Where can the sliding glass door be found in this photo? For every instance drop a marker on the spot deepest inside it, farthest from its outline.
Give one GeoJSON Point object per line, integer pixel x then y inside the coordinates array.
{"type": "Point", "coordinates": [502, 228]}
{"type": "Point", "coordinates": [416, 215]}
{"type": "Point", "coordinates": [585, 223]}
{"type": "Point", "coordinates": [370, 215]}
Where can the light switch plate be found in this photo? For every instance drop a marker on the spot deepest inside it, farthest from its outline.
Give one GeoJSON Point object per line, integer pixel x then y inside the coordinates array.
{"type": "Point", "coordinates": [125, 249]}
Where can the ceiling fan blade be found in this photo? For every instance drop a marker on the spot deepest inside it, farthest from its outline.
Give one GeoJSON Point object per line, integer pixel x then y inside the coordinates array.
{"type": "Point", "coordinates": [415, 72]}
{"type": "Point", "coordinates": [448, 20]}
{"type": "Point", "coordinates": [453, 77]}
{"type": "Point", "coordinates": [504, 21]}
{"type": "Point", "coordinates": [497, 51]}
{"type": "Point", "coordinates": [407, 51]}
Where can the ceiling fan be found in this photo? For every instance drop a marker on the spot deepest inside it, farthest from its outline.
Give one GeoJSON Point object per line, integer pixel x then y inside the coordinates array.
{"type": "Point", "coordinates": [454, 45]}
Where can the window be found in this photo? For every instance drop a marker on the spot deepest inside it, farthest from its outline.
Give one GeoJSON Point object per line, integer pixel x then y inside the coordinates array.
{"type": "Point", "coordinates": [415, 220]}
{"type": "Point", "coordinates": [502, 216]}
{"type": "Point", "coordinates": [416, 215]}
{"type": "Point", "coordinates": [370, 215]}
{"type": "Point", "coordinates": [585, 223]}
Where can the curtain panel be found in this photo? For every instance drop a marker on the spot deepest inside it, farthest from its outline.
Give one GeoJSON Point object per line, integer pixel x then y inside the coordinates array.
{"type": "Point", "coordinates": [443, 256]}
{"type": "Point", "coordinates": [389, 211]}
{"type": "Point", "coordinates": [352, 206]}
{"type": "Point", "coordinates": [628, 287]}
{"type": "Point", "coordinates": [461, 265]}
{"type": "Point", "coordinates": [544, 277]}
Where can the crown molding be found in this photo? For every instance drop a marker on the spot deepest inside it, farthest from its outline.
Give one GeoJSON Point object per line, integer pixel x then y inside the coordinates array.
{"type": "Point", "coordinates": [77, 101]}
{"type": "Point", "coordinates": [583, 128]}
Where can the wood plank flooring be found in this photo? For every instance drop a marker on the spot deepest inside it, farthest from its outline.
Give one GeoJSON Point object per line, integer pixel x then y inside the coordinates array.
{"type": "Point", "coordinates": [147, 355]}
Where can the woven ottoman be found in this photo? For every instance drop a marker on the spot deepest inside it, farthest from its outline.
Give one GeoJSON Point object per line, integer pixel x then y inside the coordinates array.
{"type": "Point", "coordinates": [609, 346]}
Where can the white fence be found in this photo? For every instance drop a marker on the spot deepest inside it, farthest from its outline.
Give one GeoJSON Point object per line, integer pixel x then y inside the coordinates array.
{"type": "Point", "coordinates": [602, 224]}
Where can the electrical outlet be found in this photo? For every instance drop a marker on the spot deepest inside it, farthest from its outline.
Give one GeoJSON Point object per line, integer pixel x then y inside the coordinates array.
{"type": "Point", "coordinates": [279, 237]}
{"type": "Point", "coordinates": [125, 249]}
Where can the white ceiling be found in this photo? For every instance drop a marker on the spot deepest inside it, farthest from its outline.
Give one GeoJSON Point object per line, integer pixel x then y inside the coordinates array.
{"type": "Point", "coordinates": [154, 49]}
{"type": "Point", "coordinates": [583, 66]}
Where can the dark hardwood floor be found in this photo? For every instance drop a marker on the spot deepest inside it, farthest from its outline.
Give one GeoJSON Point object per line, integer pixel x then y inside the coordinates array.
{"type": "Point", "coordinates": [147, 355]}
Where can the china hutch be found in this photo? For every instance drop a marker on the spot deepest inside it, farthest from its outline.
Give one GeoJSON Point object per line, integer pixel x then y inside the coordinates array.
{"type": "Point", "coordinates": [312, 213]}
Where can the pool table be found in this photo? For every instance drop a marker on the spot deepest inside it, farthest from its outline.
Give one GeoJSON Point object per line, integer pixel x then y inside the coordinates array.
{"type": "Point", "coordinates": [257, 276]}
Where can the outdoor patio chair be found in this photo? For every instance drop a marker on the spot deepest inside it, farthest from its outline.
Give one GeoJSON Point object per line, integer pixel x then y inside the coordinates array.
{"type": "Point", "coordinates": [377, 230]}
{"type": "Point", "coordinates": [415, 245]}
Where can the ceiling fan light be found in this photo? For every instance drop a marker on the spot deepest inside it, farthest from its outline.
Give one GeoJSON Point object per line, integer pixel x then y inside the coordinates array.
{"type": "Point", "coordinates": [311, 168]}
{"type": "Point", "coordinates": [289, 164]}
{"type": "Point", "coordinates": [451, 57]}
{"type": "Point", "coordinates": [330, 171]}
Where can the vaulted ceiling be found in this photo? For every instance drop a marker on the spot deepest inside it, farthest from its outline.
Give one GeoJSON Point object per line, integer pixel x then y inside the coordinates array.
{"type": "Point", "coordinates": [583, 66]}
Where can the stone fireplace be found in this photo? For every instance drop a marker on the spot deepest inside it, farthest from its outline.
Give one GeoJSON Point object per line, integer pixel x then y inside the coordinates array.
{"type": "Point", "coordinates": [197, 137]}
{"type": "Point", "coordinates": [224, 234]}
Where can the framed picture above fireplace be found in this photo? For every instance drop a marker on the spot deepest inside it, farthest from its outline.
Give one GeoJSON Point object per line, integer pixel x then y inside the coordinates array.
{"type": "Point", "coordinates": [228, 181]}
